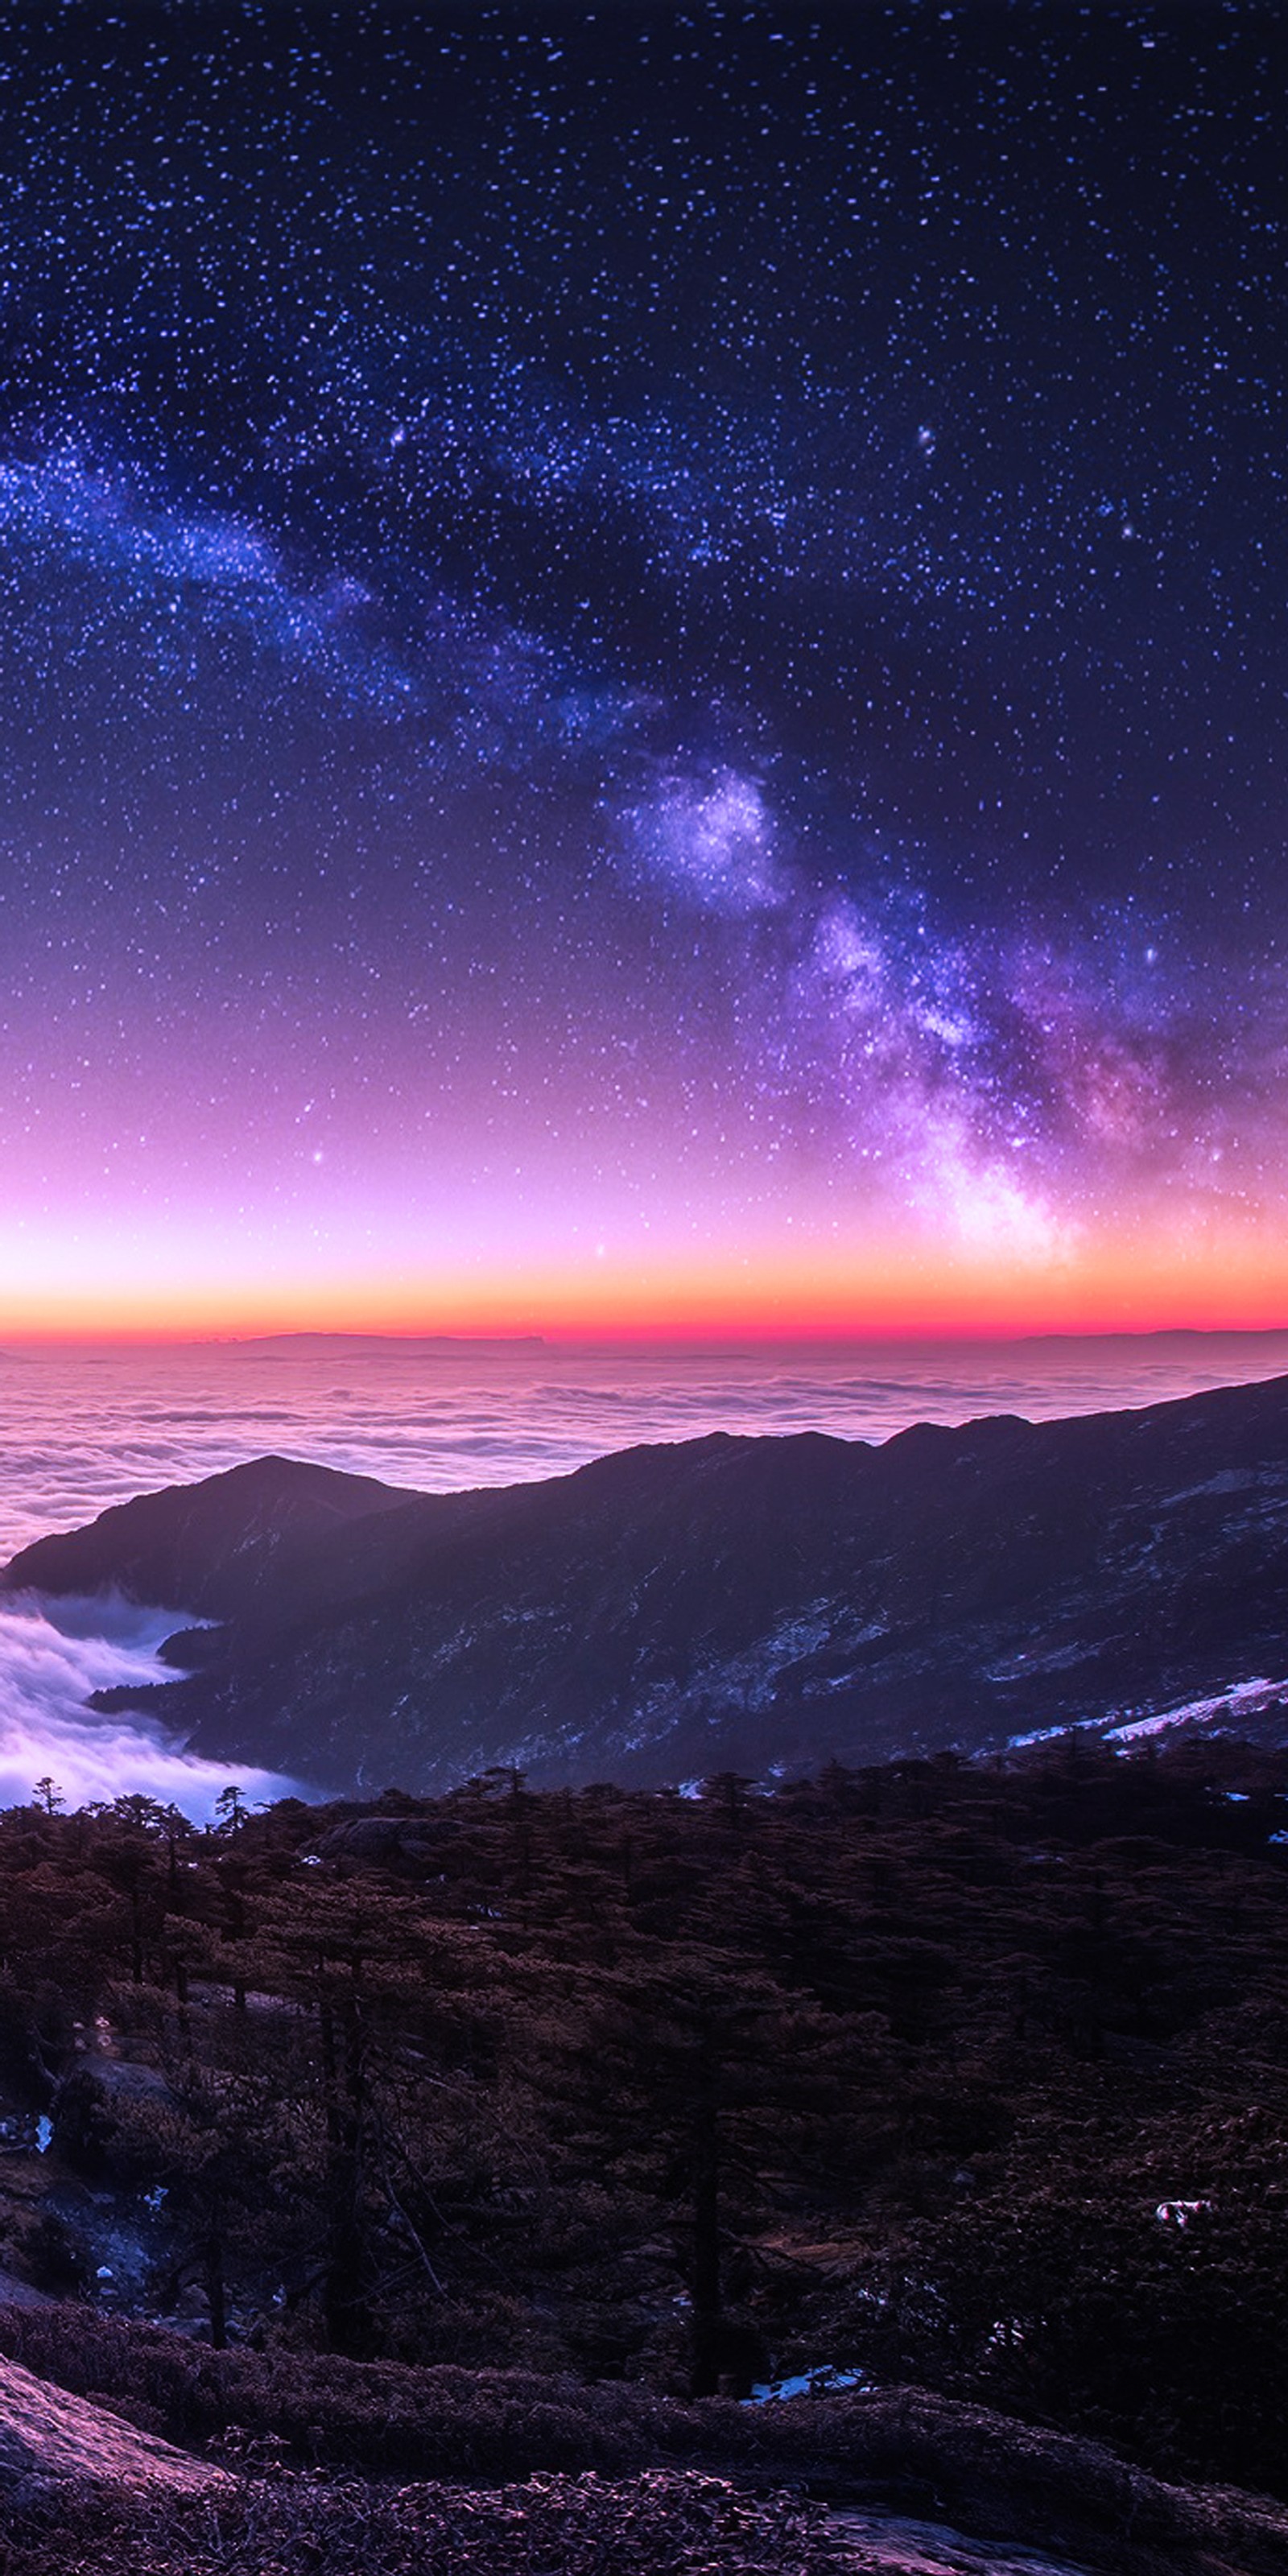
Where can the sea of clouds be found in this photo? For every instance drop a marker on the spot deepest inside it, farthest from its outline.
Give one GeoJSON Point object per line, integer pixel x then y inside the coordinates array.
{"type": "Point", "coordinates": [52, 1655]}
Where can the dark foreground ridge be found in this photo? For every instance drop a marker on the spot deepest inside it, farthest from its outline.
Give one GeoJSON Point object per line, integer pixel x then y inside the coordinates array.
{"type": "Point", "coordinates": [740, 1603]}
{"type": "Point", "coordinates": [500, 2484]}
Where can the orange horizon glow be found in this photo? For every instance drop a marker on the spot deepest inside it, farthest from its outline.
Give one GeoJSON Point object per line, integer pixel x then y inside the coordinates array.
{"type": "Point", "coordinates": [897, 1298]}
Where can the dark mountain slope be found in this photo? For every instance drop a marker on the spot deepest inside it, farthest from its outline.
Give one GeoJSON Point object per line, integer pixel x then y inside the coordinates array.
{"type": "Point", "coordinates": [212, 1548]}
{"type": "Point", "coordinates": [669, 1611]}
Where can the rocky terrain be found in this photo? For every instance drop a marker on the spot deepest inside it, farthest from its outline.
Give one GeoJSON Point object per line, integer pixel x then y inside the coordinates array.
{"type": "Point", "coordinates": [51, 2438]}
{"type": "Point", "coordinates": [723, 1603]}
{"type": "Point", "coordinates": [81, 2487]}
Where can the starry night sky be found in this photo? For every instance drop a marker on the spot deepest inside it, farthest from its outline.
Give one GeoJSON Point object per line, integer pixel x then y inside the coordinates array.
{"type": "Point", "coordinates": [644, 664]}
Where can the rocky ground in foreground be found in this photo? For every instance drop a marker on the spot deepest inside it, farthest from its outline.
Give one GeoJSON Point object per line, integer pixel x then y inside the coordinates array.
{"type": "Point", "coordinates": [668, 2522]}
{"type": "Point", "coordinates": [672, 2524]}
{"type": "Point", "coordinates": [799, 2488]}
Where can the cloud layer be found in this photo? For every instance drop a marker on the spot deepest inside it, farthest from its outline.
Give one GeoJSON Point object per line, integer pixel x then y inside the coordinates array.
{"type": "Point", "coordinates": [47, 1671]}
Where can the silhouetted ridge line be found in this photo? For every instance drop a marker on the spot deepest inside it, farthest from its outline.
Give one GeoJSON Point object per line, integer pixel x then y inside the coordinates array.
{"type": "Point", "coordinates": [731, 1601]}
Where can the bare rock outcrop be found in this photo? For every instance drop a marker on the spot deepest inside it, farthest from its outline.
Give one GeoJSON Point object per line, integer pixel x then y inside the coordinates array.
{"type": "Point", "coordinates": [50, 2438]}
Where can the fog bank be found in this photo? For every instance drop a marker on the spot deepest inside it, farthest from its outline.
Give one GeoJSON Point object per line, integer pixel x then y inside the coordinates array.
{"type": "Point", "coordinates": [52, 1655]}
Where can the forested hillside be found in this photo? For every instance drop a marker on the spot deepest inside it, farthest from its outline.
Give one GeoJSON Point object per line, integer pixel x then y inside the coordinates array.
{"type": "Point", "coordinates": [972, 2075]}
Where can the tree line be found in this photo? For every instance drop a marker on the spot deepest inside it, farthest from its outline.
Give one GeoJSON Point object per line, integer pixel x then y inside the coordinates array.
{"type": "Point", "coordinates": [970, 2073]}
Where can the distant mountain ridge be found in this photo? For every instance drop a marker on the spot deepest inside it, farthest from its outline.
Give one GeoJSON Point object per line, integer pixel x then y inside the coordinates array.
{"type": "Point", "coordinates": [211, 1547]}
{"type": "Point", "coordinates": [411, 1345]}
{"type": "Point", "coordinates": [724, 1602]}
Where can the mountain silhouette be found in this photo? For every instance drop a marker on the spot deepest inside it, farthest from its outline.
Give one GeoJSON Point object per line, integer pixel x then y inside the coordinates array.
{"type": "Point", "coordinates": [748, 1603]}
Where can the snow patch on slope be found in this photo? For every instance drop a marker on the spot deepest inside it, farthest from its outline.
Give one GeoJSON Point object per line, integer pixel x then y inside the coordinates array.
{"type": "Point", "coordinates": [1221, 1708]}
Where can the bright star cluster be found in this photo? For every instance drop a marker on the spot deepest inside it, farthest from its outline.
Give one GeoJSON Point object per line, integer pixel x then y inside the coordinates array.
{"type": "Point", "coordinates": [642, 667]}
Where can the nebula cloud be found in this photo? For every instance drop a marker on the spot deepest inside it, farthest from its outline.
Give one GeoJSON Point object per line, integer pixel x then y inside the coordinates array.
{"type": "Point", "coordinates": [1001, 1086]}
